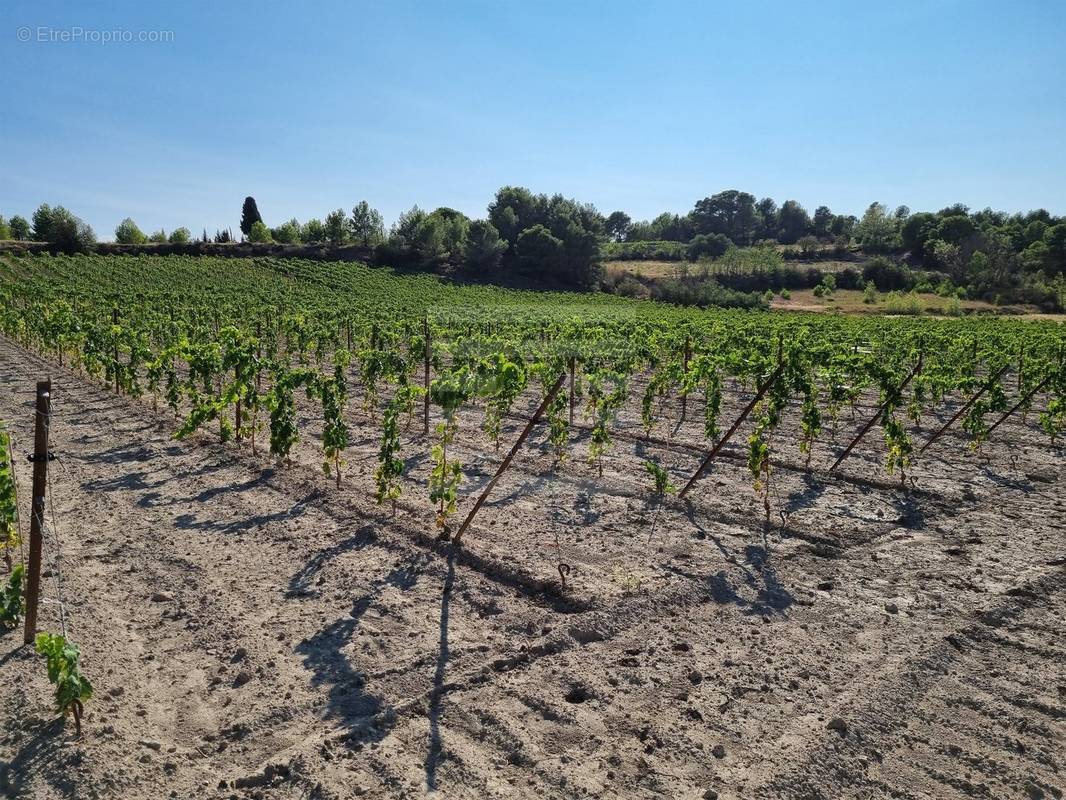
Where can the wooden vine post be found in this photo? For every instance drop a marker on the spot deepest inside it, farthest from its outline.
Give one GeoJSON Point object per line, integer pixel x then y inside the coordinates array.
{"type": "Point", "coordinates": [40, 483]}
{"type": "Point", "coordinates": [114, 324]}
{"type": "Point", "coordinates": [685, 359]}
{"type": "Point", "coordinates": [733, 429]}
{"type": "Point", "coordinates": [425, 377]}
{"type": "Point", "coordinates": [573, 391]}
{"type": "Point", "coordinates": [880, 410]}
{"type": "Point", "coordinates": [511, 454]}
{"type": "Point", "coordinates": [988, 385]}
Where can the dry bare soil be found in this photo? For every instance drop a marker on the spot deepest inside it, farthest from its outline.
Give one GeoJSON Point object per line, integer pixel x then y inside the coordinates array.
{"type": "Point", "coordinates": [254, 632]}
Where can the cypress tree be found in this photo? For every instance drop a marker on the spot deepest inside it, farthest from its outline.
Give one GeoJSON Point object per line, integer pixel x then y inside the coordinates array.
{"type": "Point", "coordinates": [249, 215]}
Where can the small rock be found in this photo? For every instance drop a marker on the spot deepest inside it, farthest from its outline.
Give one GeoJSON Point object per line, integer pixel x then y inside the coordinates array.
{"type": "Point", "coordinates": [151, 744]}
{"type": "Point", "coordinates": [162, 597]}
{"type": "Point", "coordinates": [1041, 477]}
{"type": "Point", "coordinates": [117, 691]}
{"type": "Point", "coordinates": [710, 794]}
{"type": "Point", "coordinates": [242, 678]}
{"type": "Point", "coordinates": [838, 725]}
{"type": "Point", "coordinates": [891, 608]}
{"type": "Point", "coordinates": [826, 586]}
{"type": "Point", "coordinates": [239, 654]}
{"type": "Point", "coordinates": [718, 751]}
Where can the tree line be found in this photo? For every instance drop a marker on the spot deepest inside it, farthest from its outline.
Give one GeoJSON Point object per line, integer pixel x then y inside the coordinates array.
{"type": "Point", "coordinates": [563, 240]}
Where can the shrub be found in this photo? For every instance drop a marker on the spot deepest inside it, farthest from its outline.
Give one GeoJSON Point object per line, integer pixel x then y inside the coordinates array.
{"type": "Point", "coordinates": [900, 303]}
{"type": "Point", "coordinates": [887, 275]}
{"type": "Point", "coordinates": [644, 251]}
{"type": "Point", "coordinates": [631, 287]}
{"type": "Point", "coordinates": [713, 245]}
{"type": "Point", "coordinates": [260, 233]}
{"type": "Point", "coordinates": [869, 294]}
{"type": "Point", "coordinates": [786, 294]}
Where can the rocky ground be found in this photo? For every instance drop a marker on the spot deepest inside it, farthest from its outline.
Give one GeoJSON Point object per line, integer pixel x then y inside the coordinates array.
{"type": "Point", "coordinates": [252, 631]}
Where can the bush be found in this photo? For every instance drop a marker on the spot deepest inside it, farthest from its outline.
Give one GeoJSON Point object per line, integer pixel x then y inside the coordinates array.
{"type": "Point", "coordinates": [703, 292]}
{"type": "Point", "coordinates": [887, 275]}
{"type": "Point", "coordinates": [849, 278]}
{"type": "Point", "coordinates": [900, 303]}
{"type": "Point", "coordinates": [786, 294]}
{"type": "Point", "coordinates": [869, 294]}
{"type": "Point", "coordinates": [644, 251]}
{"type": "Point", "coordinates": [953, 308]}
{"type": "Point", "coordinates": [631, 287]}
{"type": "Point", "coordinates": [259, 233]}
{"type": "Point", "coordinates": [712, 245]}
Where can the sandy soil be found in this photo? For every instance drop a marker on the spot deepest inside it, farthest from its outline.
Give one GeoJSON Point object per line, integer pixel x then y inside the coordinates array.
{"type": "Point", "coordinates": [254, 632]}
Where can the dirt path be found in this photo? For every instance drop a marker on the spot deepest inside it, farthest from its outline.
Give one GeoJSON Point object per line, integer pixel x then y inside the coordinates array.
{"type": "Point", "coordinates": [251, 631]}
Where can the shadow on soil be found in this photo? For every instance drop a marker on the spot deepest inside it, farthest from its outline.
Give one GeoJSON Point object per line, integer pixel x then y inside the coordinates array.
{"type": "Point", "coordinates": [436, 746]}
{"type": "Point", "coordinates": [41, 754]}
{"type": "Point", "coordinates": [366, 717]}
{"type": "Point", "coordinates": [756, 592]}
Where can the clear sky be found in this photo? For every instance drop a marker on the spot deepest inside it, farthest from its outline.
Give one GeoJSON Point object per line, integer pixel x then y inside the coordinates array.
{"type": "Point", "coordinates": [643, 106]}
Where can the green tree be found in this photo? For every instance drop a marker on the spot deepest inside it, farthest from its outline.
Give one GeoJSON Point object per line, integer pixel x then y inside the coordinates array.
{"type": "Point", "coordinates": [514, 209]}
{"type": "Point", "coordinates": [916, 231]}
{"type": "Point", "coordinates": [484, 247]}
{"type": "Point", "coordinates": [617, 225]}
{"type": "Point", "coordinates": [955, 229]}
{"type": "Point", "coordinates": [5, 229]}
{"type": "Point", "coordinates": [538, 250]}
{"type": "Point", "coordinates": [823, 218]}
{"type": "Point", "coordinates": [731, 213]}
{"type": "Point", "coordinates": [336, 227]}
{"type": "Point", "coordinates": [367, 226]}
{"type": "Point", "coordinates": [843, 225]}
{"type": "Point", "coordinates": [180, 236]}
{"type": "Point", "coordinates": [249, 215]}
{"type": "Point", "coordinates": [42, 223]}
{"type": "Point", "coordinates": [877, 232]}
{"type": "Point", "coordinates": [313, 232]}
{"type": "Point", "coordinates": [766, 211]}
{"type": "Point", "coordinates": [793, 222]}
{"type": "Point", "coordinates": [287, 232]}
{"type": "Point", "coordinates": [159, 237]}
{"type": "Point", "coordinates": [20, 228]}
{"type": "Point", "coordinates": [127, 232]}
{"type": "Point", "coordinates": [1055, 239]}
{"type": "Point", "coordinates": [62, 229]}
{"type": "Point", "coordinates": [259, 234]}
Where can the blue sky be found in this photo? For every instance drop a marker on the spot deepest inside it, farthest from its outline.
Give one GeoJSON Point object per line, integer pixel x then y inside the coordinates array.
{"type": "Point", "coordinates": [643, 106]}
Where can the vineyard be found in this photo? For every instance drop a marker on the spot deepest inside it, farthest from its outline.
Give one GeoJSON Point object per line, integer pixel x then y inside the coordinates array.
{"type": "Point", "coordinates": [695, 527]}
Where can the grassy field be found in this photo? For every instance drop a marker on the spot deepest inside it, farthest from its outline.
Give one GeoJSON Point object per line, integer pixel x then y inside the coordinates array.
{"type": "Point", "coordinates": [845, 301]}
